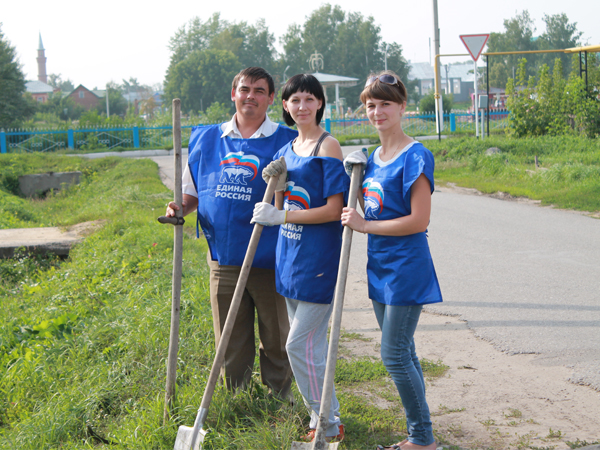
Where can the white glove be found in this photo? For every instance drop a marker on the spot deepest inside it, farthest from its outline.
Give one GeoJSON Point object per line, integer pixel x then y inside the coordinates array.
{"type": "Point", "coordinates": [357, 157]}
{"type": "Point", "coordinates": [267, 215]}
{"type": "Point", "coordinates": [277, 167]}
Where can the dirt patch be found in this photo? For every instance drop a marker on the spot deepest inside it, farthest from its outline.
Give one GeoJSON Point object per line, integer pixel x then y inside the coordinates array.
{"type": "Point", "coordinates": [86, 228]}
{"type": "Point", "coordinates": [489, 399]}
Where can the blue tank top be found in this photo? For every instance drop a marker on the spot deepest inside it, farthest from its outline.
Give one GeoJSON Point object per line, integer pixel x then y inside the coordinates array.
{"type": "Point", "coordinates": [227, 175]}
{"type": "Point", "coordinates": [400, 269]}
{"type": "Point", "coordinates": [308, 255]}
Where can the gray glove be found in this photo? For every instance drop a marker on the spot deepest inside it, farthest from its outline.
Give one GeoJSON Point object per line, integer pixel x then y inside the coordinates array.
{"type": "Point", "coordinates": [357, 157]}
{"type": "Point", "coordinates": [275, 168]}
{"type": "Point", "coordinates": [267, 215]}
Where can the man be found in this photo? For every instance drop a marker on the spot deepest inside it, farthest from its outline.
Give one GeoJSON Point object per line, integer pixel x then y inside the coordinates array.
{"type": "Point", "coordinates": [223, 182]}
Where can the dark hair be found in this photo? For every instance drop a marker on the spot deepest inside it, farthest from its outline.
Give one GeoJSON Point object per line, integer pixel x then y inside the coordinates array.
{"type": "Point", "coordinates": [382, 91]}
{"type": "Point", "coordinates": [254, 74]}
{"type": "Point", "coordinates": [303, 82]}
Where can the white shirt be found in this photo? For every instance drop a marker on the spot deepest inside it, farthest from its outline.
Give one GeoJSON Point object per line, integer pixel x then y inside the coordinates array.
{"type": "Point", "coordinates": [229, 129]}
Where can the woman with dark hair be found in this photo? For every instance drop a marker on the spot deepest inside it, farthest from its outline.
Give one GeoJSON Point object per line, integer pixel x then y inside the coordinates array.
{"type": "Point", "coordinates": [308, 202]}
{"type": "Point", "coordinates": [396, 201]}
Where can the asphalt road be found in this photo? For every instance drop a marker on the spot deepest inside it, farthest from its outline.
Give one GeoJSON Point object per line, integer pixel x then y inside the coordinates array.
{"type": "Point", "coordinates": [525, 278]}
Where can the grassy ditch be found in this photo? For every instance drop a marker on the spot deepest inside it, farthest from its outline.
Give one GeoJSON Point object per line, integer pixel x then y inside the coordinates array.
{"type": "Point", "coordinates": [83, 341]}
{"type": "Point", "coordinates": [567, 175]}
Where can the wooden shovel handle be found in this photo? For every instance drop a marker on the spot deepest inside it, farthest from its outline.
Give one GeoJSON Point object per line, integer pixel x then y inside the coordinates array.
{"type": "Point", "coordinates": [336, 323]}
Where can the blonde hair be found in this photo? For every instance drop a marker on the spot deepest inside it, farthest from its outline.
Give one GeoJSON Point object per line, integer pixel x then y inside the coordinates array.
{"type": "Point", "coordinates": [383, 91]}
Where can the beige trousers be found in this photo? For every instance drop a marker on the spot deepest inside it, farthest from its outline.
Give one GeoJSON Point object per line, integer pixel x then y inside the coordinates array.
{"type": "Point", "coordinates": [273, 327]}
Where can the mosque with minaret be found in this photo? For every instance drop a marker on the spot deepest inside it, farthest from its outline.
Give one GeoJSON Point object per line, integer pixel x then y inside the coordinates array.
{"type": "Point", "coordinates": [40, 90]}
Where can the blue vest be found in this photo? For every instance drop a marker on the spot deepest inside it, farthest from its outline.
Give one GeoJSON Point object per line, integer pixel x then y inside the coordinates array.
{"type": "Point", "coordinates": [400, 269]}
{"type": "Point", "coordinates": [308, 255]}
{"type": "Point", "coordinates": [227, 175]}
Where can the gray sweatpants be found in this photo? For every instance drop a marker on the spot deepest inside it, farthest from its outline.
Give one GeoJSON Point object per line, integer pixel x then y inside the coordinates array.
{"type": "Point", "coordinates": [307, 351]}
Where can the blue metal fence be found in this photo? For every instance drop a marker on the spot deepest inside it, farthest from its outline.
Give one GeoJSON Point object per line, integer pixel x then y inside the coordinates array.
{"type": "Point", "coordinates": [420, 124]}
{"type": "Point", "coordinates": [13, 141]}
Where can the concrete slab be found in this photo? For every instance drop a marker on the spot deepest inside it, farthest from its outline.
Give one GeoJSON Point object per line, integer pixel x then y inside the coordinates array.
{"type": "Point", "coordinates": [45, 240]}
{"type": "Point", "coordinates": [39, 184]}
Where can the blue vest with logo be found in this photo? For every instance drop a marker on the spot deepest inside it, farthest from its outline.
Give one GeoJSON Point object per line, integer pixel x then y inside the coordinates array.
{"type": "Point", "coordinates": [400, 269]}
{"type": "Point", "coordinates": [227, 175]}
{"type": "Point", "coordinates": [308, 255]}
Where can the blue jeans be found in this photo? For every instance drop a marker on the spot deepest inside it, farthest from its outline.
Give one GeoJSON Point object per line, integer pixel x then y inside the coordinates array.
{"type": "Point", "coordinates": [398, 325]}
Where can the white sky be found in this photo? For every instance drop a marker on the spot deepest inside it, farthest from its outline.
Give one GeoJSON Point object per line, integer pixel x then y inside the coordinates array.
{"type": "Point", "coordinates": [92, 43]}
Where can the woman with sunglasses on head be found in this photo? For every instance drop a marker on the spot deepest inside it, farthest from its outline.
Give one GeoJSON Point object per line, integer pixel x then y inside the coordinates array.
{"type": "Point", "coordinates": [396, 201]}
{"type": "Point", "coordinates": [308, 202]}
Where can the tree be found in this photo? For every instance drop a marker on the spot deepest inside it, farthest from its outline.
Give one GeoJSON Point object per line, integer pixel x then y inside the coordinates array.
{"type": "Point", "coordinates": [62, 107]}
{"type": "Point", "coordinates": [350, 44]}
{"type": "Point", "coordinates": [517, 36]}
{"type": "Point", "coordinates": [202, 78]}
{"type": "Point", "coordinates": [198, 46]}
{"type": "Point", "coordinates": [148, 106]}
{"type": "Point", "coordinates": [117, 104]}
{"type": "Point", "coordinates": [559, 34]}
{"type": "Point", "coordinates": [56, 81]}
{"type": "Point", "coordinates": [15, 104]}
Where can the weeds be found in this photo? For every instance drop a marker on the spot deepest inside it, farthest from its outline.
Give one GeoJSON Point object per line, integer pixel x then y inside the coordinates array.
{"type": "Point", "coordinates": [579, 444]}
{"type": "Point", "coordinates": [442, 409]}
{"type": "Point", "coordinates": [512, 412]}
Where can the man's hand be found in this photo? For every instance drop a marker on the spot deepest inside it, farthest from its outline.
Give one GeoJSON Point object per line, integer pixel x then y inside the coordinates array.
{"type": "Point", "coordinates": [172, 207]}
{"type": "Point", "coordinates": [267, 215]}
{"type": "Point", "coordinates": [277, 167]}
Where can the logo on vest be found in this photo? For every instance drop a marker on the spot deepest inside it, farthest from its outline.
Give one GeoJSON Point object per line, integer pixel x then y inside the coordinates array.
{"type": "Point", "coordinates": [373, 195]}
{"type": "Point", "coordinates": [238, 169]}
{"type": "Point", "coordinates": [294, 199]}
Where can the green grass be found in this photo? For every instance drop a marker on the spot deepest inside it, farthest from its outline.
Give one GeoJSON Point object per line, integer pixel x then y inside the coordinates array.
{"type": "Point", "coordinates": [83, 341]}
{"type": "Point", "coordinates": [568, 175]}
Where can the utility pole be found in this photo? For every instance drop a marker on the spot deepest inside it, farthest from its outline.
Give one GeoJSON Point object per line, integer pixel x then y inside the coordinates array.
{"type": "Point", "coordinates": [387, 46]}
{"type": "Point", "coordinates": [436, 48]}
{"type": "Point", "coordinates": [107, 110]}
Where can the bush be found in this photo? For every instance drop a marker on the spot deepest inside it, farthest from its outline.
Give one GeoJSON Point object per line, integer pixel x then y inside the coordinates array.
{"type": "Point", "coordinates": [427, 103]}
{"type": "Point", "coordinates": [552, 105]}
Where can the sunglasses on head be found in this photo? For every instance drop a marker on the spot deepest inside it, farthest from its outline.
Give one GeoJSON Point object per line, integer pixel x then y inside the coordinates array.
{"type": "Point", "coordinates": [385, 78]}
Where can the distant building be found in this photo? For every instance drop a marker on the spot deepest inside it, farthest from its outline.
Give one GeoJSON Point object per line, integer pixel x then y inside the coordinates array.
{"type": "Point", "coordinates": [39, 90]}
{"type": "Point", "coordinates": [457, 80]}
{"type": "Point", "coordinates": [85, 97]}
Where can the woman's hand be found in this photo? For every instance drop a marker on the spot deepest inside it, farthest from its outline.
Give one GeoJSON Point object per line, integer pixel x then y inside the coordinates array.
{"type": "Point", "coordinates": [267, 215]}
{"type": "Point", "coordinates": [274, 169]}
{"type": "Point", "coordinates": [351, 218]}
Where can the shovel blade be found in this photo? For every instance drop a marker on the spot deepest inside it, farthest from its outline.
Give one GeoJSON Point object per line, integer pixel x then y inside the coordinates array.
{"type": "Point", "coordinates": [309, 446]}
{"type": "Point", "coordinates": [184, 439]}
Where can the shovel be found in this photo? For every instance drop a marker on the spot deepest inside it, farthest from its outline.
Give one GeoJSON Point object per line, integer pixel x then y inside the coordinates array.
{"type": "Point", "coordinates": [192, 437]}
{"type": "Point", "coordinates": [319, 442]}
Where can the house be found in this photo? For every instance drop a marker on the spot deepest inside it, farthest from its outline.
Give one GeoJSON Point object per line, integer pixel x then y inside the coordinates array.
{"type": "Point", "coordinates": [39, 90]}
{"type": "Point", "coordinates": [85, 97]}
{"type": "Point", "coordinates": [456, 79]}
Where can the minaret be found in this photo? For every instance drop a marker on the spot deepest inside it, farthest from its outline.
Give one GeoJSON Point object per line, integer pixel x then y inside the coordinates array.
{"type": "Point", "coordinates": [41, 60]}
